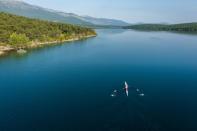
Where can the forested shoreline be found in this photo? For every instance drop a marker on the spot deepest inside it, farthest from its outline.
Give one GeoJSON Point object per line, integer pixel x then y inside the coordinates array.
{"type": "Point", "coordinates": [18, 32]}
{"type": "Point", "coordinates": [185, 27]}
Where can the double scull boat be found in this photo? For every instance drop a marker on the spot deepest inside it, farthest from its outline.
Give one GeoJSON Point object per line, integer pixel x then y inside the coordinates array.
{"type": "Point", "coordinates": [126, 88]}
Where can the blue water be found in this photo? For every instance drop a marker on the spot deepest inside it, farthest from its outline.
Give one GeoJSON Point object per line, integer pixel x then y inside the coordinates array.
{"type": "Point", "coordinates": [67, 87]}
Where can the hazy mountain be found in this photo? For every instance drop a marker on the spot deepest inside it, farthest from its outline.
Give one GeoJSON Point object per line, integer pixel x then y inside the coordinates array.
{"type": "Point", "coordinates": [103, 21]}
{"type": "Point", "coordinates": [24, 9]}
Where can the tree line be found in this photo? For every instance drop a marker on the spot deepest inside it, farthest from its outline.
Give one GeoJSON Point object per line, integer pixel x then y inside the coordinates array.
{"type": "Point", "coordinates": [186, 27]}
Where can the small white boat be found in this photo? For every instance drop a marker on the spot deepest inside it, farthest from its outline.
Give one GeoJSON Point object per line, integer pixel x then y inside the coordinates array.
{"type": "Point", "coordinates": [126, 88]}
{"type": "Point", "coordinates": [114, 93]}
{"type": "Point", "coordinates": [142, 94]}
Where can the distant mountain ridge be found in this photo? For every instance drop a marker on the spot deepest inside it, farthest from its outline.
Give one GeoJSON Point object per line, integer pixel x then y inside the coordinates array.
{"type": "Point", "coordinates": [24, 9]}
{"type": "Point", "coordinates": [104, 21]}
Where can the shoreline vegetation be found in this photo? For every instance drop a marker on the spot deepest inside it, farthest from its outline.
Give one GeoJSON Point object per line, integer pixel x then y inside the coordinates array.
{"type": "Point", "coordinates": [18, 33]}
{"type": "Point", "coordinates": [5, 49]}
{"type": "Point", "coordinates": [35, 44]}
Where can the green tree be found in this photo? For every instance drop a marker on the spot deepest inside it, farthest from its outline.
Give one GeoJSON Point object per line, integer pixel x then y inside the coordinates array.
{"type": "Point", "coordinates": [18, 40]}
{"type": "Point", "coordinates": [61, 38]}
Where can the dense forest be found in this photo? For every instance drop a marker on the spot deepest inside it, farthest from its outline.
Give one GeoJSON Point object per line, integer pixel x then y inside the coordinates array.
{"type": "Point", "coordinates": [18, 30]}
{"type": "Point", "coordinates": [187, 27]}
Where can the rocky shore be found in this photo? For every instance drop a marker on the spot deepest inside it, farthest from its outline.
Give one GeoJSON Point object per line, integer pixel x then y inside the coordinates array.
{"type": "Point", "coordinates": [4, 49]}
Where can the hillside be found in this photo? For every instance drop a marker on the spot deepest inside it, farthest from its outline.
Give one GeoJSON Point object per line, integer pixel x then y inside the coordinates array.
{"type": "Point", "coordinates": [27, 10]}
{"type": "Point", "coordinates": [185, 27]}
{"type": "Point", "coordinates": [24, 9]}
{"type": "Point", "coordinates": [22, 32]}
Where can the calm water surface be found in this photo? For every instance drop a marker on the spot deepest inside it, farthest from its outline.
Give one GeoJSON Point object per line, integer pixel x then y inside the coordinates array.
{"type": "Point", "coordinates": [67, 87]}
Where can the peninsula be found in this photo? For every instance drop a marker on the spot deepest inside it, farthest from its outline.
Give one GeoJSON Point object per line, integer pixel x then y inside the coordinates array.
{"type": "Point", "coordinates": [21, 33]}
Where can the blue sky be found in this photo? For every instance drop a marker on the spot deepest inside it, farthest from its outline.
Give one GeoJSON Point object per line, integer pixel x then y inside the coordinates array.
{"type": "Point", "coordinates": [149, 11]}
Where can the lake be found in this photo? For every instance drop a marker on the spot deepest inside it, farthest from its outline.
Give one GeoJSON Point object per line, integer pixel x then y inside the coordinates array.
{"type": "Point", "coordinates": [68, 87]}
